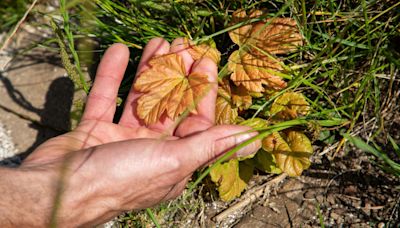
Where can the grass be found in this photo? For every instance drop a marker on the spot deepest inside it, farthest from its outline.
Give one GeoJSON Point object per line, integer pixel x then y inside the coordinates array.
{"type": "Point", "coordinates": [349, 59]}
{"type": "Point", "coordinates": [382, 156]}
{"type": "Point", "coordinates": [348, 67]}
{"type": "Point", "coordinates": [11, 11]}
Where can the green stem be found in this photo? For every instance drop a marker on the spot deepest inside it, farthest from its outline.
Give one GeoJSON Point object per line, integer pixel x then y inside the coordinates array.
{"type": "Point", "coordinates": [71, 45]}
{"type": "Point", "coordinates": [152, 217]}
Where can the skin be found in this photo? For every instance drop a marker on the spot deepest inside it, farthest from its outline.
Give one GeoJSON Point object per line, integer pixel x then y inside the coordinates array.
{"type": "Point", "coordinates": [101, 168]}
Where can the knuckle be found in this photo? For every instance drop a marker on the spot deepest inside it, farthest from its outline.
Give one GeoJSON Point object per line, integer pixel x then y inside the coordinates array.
{"type": "Point", "coordinates": [101, 97]}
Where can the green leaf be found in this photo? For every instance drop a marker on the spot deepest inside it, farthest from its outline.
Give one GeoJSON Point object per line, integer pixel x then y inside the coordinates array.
{"type": "Point", "coordinates": [289, 106]}
{"type": "Point", "coordinates": [246, 169]}
{"type": "Point", "coordinates": [292, 150]}
{"type": "Point", "coordinates": [231, 178]}
{"type": "Point", "coordinates": [326, 137]}
{"type": "Point", "coordinates": [266, 162]}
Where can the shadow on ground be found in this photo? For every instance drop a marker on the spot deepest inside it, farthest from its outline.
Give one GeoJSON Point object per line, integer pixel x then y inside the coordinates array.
{"type": "Point", "coordinates": [54, 116]}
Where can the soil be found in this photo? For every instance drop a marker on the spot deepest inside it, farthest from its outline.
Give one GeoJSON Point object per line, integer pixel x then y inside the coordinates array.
{"type": "Point", "coordinates": [347, 191]}
{"type": "Point", "coordinates": [36, 96]}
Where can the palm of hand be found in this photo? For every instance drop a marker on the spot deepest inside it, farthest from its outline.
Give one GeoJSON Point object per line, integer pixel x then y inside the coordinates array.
{"type": "Point", "coordinates": [96, 127]}
{"type": "Point", "coordinates": [129, 165]}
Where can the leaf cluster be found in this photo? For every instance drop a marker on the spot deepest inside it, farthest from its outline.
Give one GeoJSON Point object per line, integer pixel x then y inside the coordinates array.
{"type": "Point", "coordinates": [166, 90]}
{"type": "Point", "coordinates": [254, 74]}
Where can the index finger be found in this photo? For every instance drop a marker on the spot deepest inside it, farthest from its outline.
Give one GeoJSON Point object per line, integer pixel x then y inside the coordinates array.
{"type": "Point", "coordinates": [101, 102]}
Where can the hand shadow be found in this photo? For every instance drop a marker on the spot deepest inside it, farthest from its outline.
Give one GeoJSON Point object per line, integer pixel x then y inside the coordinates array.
{"type": "Point", "coordinates": [54, 117]}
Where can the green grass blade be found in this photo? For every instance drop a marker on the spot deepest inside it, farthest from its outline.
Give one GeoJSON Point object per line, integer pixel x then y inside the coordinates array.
{"type": "Point", "coordinates": [395, 146]}
{"type": "Point", "coordinates": [379, 154]}
{"type": "Point", "coordinates": [152, 217]}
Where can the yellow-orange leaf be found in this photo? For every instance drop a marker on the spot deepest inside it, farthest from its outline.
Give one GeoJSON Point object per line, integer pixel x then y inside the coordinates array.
{"type": "Point", "coordinates": [280, 36]}
{"type": "Point", "coordinates": [292, 151]}
{"type": "Point", "coordinates": [241, 97]}
{"type": "Point", "coordinates": [225, 112]}
{"type": "Point", "coordinates": [290, 105]}
{"type": "Point", "coordinates": [274, 36]}
{"type": "Point", "coordinates": [167, 89]}
{"type": "Point", "coordinates": [242, 34]}
{"type": "Point", "coordinates": [231, 177]}
{"type": "Point", "coordinates": [202, 50]}
{"type": "Point", "coordinates": [254, 71]}
{"type": "Point", "coordinates": [255, 123]}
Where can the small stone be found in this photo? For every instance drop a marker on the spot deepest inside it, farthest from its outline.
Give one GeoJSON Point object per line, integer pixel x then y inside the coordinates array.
{"type": "Point", "coordinates": [331, 199]}
{"type": "Point", "coordinates": [320, 198]}
{"type": "Point", "coordinates": [350, 190]}
{"type": "Point", "coordinates": [308, 195]}
{"type": "Point", "coordinates": [292, 188]}
{"type": "Point", "coordinates": [335, 216]}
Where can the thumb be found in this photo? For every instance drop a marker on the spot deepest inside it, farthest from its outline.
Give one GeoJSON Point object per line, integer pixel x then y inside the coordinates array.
{"type": "Point", "coordinates": [204, 147]}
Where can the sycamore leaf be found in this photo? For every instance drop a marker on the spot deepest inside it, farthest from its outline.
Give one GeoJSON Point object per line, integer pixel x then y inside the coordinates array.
{"type": "Point", "coordinates": [242, 34]}
{"type": "Point", "coordinates": [252, 66]}
{"type": "Point", "coordinates": [266, 162]}
{"type": "Point", "coordinates": [290, 105]}
{"type": "Point", "coordinates": [224, 88]}
{"type": "Point", "coordinates": [269, 93]}
{"type": "Point", "coordinates": [292, 150]}
{"type": "Point", "coordinates": [253, 71]}
{"type": "Point", "coordinates": [167, 89]}
{"type": "Point", "coordinates": [231, 178]}
{"type": "Point", "coordinates": [225, 111]}
{"type": "Point", "coordinates": [241, 97]}
{"type": "Point", "coordinates": [246, 170]}
{"type": "Point", "coordinates": [255, 123]}
{"type": "Point", "coordinates": [276, 36]}
{"type": "Point", "coordinates": [202, 50]}
{"type": "Point", "coordinates": [256, 94]}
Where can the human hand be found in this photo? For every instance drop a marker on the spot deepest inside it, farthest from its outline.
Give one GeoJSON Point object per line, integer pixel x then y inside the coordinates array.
{"type": "Point", "coordinates": [107, 168]}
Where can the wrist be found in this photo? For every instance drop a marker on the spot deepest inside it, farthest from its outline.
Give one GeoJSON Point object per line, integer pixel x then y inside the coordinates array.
{"type": "Point", "coordinates": [25, 197]}
{"type": "Point", "coordinates": [65, 192]}
{"type": "Point", "coordinates": [54, 194]}
{"type": "Point", "coordinates": [80, 198]}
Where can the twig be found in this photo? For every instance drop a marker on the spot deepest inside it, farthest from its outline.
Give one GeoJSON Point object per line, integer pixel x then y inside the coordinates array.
{"type": "Point", "coordinates": [395, 207]}
{"type": "Point", "coordinates": [17, 26]}
{"type": "Point", "coordinates": [248, 199]}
